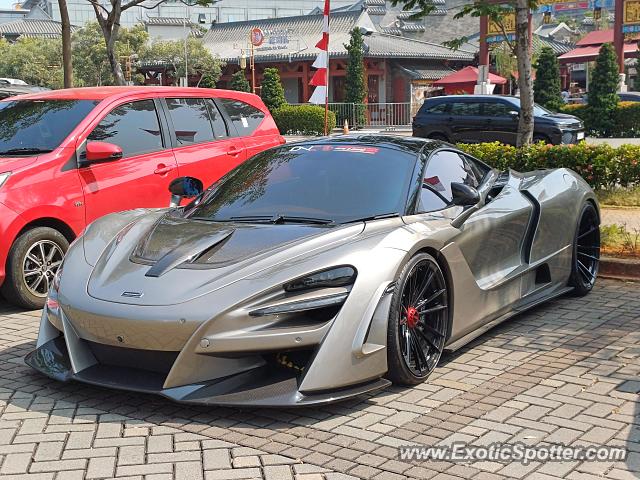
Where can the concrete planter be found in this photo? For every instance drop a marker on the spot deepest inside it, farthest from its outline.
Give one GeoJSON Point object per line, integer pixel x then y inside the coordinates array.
{"type": "Point", "coordinates": [620, 268]}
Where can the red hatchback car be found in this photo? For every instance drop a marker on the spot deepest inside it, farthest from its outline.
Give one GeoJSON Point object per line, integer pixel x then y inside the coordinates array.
{"type": "Point", "coordinates": [70, 156]}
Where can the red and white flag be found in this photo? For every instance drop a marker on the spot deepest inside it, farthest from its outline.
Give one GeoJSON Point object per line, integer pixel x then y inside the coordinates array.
{"type": "Point", "coordinates": [321, 63]}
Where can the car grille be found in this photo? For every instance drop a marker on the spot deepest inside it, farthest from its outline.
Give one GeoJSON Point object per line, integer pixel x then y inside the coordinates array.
{"type": "Point", "coordinates": [569, 137]}
{"type": "Point", "coordinates": [149, 360]}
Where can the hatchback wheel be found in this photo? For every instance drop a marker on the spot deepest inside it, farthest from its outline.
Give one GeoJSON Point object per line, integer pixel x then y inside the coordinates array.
{"type": "Point", "coordinates": [33, 261]}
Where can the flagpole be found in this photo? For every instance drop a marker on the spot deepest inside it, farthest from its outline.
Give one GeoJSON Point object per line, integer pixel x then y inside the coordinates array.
{"type": "Point", "coordinates": [326, 94]}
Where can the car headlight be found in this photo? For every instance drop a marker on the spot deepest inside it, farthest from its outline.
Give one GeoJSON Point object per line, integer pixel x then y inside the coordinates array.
{"type": "Point", "coordinates": [334, 277]}
{"type": "Point", "coordinates": [3, 177]}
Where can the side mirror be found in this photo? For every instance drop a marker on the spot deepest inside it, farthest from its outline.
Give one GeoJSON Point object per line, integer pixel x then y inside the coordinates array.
{"type": "Point", "coordinates": [514, 114]}
{"type": "Point", "coordinates": [464, 195]}
{"type": "Point", "coordinates": [184, 187]}
{"type": "Point", "coordinates": [102, 152]}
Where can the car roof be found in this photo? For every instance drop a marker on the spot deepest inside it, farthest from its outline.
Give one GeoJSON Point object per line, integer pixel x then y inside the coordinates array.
{"type": "Point", "coordinates": [474, 97]}
{"type": "Point", "coordinates": [101, 93]}
{"type": "Point", "coordinates": [412, 145]}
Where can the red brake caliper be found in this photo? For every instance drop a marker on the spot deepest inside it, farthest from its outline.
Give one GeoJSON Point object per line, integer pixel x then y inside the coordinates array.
{"type": "Point", "coordinates": [412, 317]}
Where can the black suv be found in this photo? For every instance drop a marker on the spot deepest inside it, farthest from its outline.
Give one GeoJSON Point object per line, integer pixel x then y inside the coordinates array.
{"type": "Point", "coordinates": [490, 118]}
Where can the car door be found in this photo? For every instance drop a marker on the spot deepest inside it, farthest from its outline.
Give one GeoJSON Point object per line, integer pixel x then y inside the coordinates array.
{"type": "Point", "coordinates": [141, 177]}
{"type": "Point", "coordinates": [250, 125]}
{"type": "Point", "coordinates": [204, 146]}
{"type": "Point", "coordinates": [492, 238]}
{"type": "Point", "coordinates": [501, 124]}
{"type": "Point", "coordinates": [465, 121]}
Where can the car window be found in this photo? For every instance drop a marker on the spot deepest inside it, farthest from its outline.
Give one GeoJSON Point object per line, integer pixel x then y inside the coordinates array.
{"type": "Point", "coordinates": [245, 117]}
{"type": "Point", "coordinates": [134, 127]}
{"type": "Point", "coordinates": [497, 109]}
{"type": "Point", "coordinates": [430, 201]}
{"type": "Point", "coordinates": [440, 108]}
{"type": "Point", "coordinates": [191, 121]}
{"type": "Point", "coordinates": [465, 108]}
{"type": "Point", "coordinates": [39, 124]}
{"type": "Point", "coordinates": [220, 129]}
{"type": "Point", "coordinates": [446, 167]}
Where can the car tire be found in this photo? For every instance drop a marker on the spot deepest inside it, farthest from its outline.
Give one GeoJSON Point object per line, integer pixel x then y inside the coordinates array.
{"type": "Point", "coordinates": [19, 287]}
{"type": "Point", "coordinates": [586, 251]}
{"type": "Point", "coordinates": [539, 137]}
{"type": "Point", "coordinates": [418, 321]}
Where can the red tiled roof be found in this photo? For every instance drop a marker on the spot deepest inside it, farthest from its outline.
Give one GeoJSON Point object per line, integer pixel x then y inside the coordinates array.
{"type": "Point", "coordinates": [468, 75]}
{"type": "Point", "coordinates": [597, 37]}
{"type": "Point", "coordinates": [589, 53]}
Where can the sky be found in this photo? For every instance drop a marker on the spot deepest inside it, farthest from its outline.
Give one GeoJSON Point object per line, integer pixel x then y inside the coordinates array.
{"type": "Point", "coordinates": [6, 3]}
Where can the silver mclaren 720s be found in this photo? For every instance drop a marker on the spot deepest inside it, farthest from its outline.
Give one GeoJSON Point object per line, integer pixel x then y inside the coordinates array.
{"type": "Point", "coordinates": [313, 272]}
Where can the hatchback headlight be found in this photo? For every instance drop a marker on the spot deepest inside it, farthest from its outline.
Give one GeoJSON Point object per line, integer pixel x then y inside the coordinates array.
{"type": "Point", "coordinates": [333, 277]}
{"type": "Point", "coordinates": [3, 177]}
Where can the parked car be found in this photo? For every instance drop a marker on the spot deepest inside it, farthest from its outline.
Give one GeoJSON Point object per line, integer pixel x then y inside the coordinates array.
{"type": "Point", "coordinates": [629, 97]}
{"type": "Point", "coordinates": [8, 90]}
{"type": "Point", "coordinates": [70, 156]}
{"type": "Point", "coordinates": [315, 271]}
{"type": "Point", "coordinates": [490, 118]}
{"type": "Point", "coordinates": [13, 81]}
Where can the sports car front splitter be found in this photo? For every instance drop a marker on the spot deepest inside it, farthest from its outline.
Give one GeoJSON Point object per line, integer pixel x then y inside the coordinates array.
{"type": "Point", "coordinates": [261, 387]}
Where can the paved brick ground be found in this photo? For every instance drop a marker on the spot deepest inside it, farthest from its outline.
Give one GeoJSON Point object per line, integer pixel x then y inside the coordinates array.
{"type": "Point", "coordinates": [567, 372]}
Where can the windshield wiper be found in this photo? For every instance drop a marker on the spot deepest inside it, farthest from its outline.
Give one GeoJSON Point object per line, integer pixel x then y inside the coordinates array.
{"type": "Point", "coordinates": [25, 151]}
{"type": "Point", "coordinates": [374, 217]}
{"type": "Point", "coordinates": [281, 219]}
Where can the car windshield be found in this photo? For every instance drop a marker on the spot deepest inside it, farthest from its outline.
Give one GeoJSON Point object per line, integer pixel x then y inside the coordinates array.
{"type": "Point", "coordinates": [29, 127]}
{"type": "Point", "coordinates": [539, 111]}
{"type": "Point", "coordinates": [312, 184]}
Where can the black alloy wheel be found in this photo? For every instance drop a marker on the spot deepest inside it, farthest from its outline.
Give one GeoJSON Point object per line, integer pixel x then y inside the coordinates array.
{"type": "Point", "coordinates": [586, 251]}
{"type": "Point", "coordinates": [418, 322]}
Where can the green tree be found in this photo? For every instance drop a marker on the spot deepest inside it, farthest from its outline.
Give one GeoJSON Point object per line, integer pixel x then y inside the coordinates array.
{"type": "Point", "coordinates": [199, 62]}
{"type": "Point", "coordinates": [90, 63]}
{"type": "Point", "coordinates": [603, 97]}
{"type": "Point", "coordinates": [67, 66]}
{"type": "Point", "coordinates": [37, 61]}
{"type": "Point", "coordinates": [108, 17]}
{"type": "Point", "coordinates": [272, 92]}
{"type": "Point", "coordinates": [355, 84]}
{"type": "Point", "coordinates": [546, 86]}
{"type": "Point", "coordinates": [239, 82]}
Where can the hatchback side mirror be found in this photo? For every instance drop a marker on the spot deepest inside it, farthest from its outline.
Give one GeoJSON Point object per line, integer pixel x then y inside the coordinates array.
{"type": "Point", "coordinates": [102, 152]}
{"type": "Point", "coordinates": [514, 114]}
{"type": "Point", "coordinates": [184, 187]}
{"type": "Point", "coordinates": [464, 195]}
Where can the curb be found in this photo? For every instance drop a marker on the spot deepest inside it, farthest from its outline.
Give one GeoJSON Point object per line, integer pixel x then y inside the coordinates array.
{"type": "Point", "coordinates": [604, 206]}
{"type": "Point", "coordinates": [620, 268]}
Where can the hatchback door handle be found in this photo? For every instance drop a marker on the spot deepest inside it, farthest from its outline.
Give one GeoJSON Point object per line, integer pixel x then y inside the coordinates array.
{"type": "Point", "coordinates": [162, 169]}
{"type": "Point", "coordinates": [233, 151]}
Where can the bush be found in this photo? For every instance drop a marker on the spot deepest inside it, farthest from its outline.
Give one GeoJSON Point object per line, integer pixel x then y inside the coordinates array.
{"type": "Point", "coordinates": [303, 119]}
{"type": "Point", "coordinates": [546, 86]}
{"type": "Point", "coordinates": [603, 98]}
{"type": "Point", "coordinates": [239, 82]}
{"type": "Point", "coordinates": [272, 91]}
{"type": "Point", "coordinates": [602, 166]}
{"type": "Point", "coordinates": [626, 119]}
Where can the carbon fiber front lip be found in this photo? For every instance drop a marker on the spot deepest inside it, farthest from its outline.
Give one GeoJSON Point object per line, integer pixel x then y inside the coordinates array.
{"type": "Point", "coordinates": [260, 387]}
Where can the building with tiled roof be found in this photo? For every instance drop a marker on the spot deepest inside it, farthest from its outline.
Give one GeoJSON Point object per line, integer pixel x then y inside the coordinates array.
{"type": "Point", "coordinates": [31, 28]}
{"type": "Point", "coordinates": [391, 61]}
